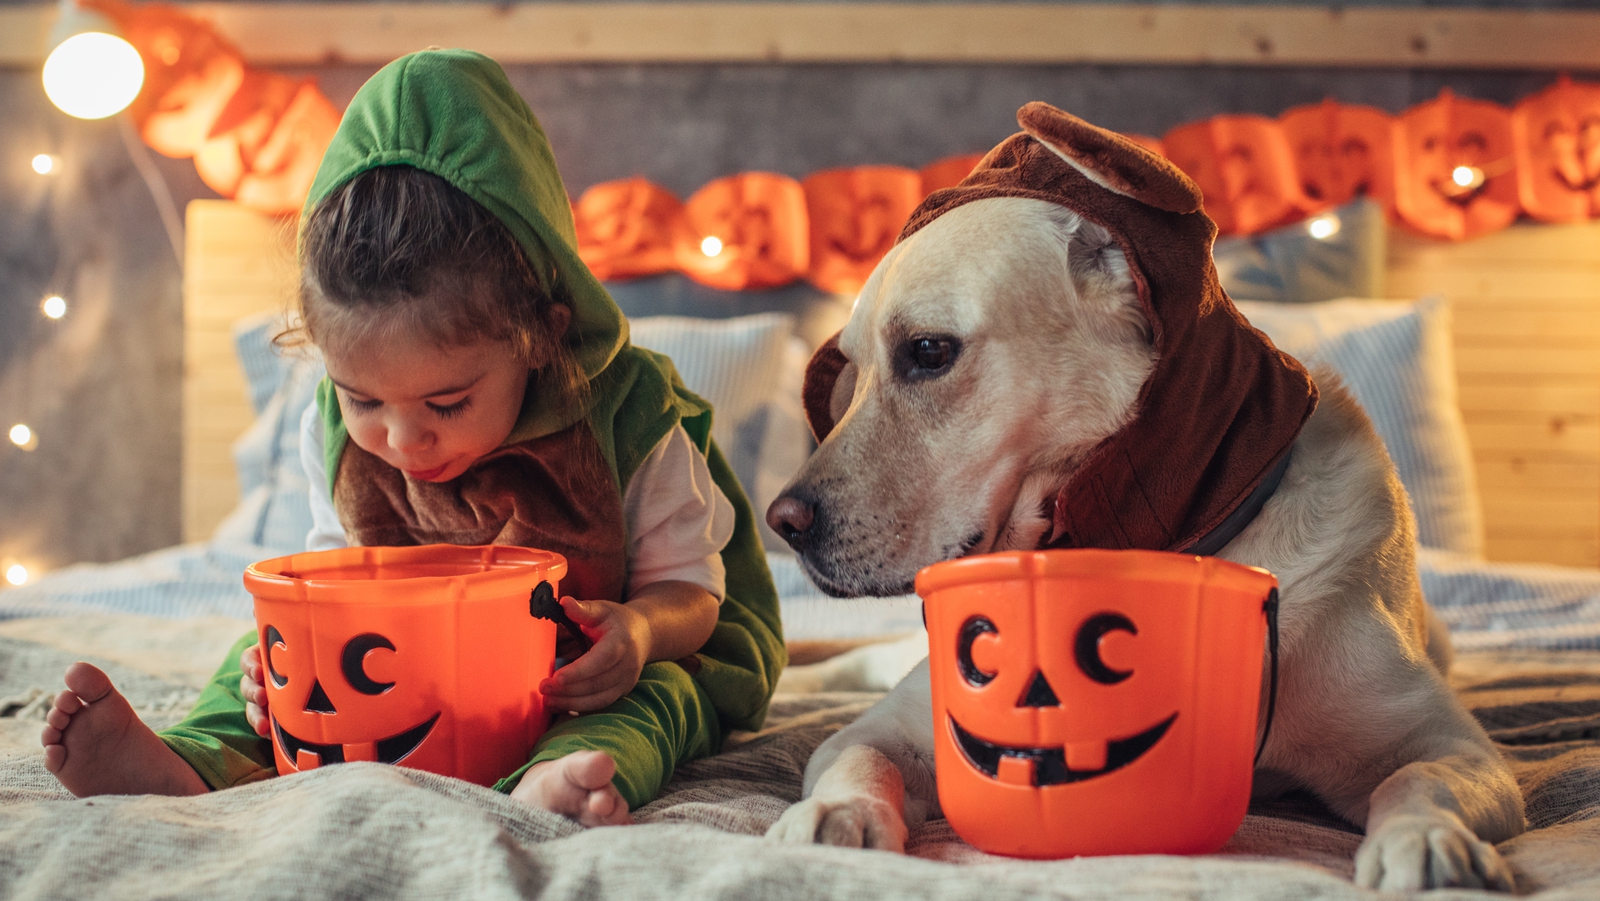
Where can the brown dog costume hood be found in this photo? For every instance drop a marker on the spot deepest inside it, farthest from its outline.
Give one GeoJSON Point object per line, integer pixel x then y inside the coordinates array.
{"type": "Point", "coordinates": [1214, 424]}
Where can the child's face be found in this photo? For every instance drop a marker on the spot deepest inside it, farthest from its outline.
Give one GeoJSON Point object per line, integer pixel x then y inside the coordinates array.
{"type": "Point", "coordinates": [427, 410]}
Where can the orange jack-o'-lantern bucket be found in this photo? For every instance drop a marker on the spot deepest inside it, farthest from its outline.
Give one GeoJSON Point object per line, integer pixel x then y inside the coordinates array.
{"type": "Point", "coordinates": [1095, 702]}
{"type": "Point", "coordinates": [429, 656]}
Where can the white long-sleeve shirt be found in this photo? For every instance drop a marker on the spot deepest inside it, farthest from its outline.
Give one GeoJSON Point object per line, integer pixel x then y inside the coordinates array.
{"type": "Point", "coordinates": [678, 520]}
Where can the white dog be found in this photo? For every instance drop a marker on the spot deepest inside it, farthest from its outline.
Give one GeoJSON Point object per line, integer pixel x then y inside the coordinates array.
{"type": "Point", "coordinates": [994, 355]}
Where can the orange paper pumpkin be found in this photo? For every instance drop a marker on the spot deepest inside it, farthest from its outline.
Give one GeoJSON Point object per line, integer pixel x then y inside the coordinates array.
{"type": "Point", "coordinates": [625, 228]}
{"type": "Point", "coordinates": [1556, 134]}
{"type": "Point", "coordinates": [281, 172]}
{"type": "Point", "coordinates": [1092, 701]}
{"type": "Point", "coordinates": [426, 656]}
{"type": "Point", "coordinates": [1342, 151]}
{"type": "Point", "coordinates": [948, 172]}
{"type": "Point", "coordinates": [856, 216]}
{"type": "Point", "coordinates": [1244, 169]}
{"type": "Point", "coordinates": [745, 231]}
{"type": "Point", "coordinates": [1455, 173]}
{"type": "Point", "coordinates": [243, 128]}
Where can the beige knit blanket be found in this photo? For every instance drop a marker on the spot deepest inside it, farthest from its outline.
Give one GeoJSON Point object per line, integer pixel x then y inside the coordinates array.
{"type": "Point", "coordinates": [363, 830]}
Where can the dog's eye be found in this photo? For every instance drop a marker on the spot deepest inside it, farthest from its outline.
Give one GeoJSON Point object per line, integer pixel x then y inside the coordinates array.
{"type": "Point", "coordinates": [930, 356]}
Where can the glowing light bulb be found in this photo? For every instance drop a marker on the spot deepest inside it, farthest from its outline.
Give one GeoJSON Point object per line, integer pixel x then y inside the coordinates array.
{"type": "Point", "coordinates": [1467, 176]}
{"type": "Point", "coordinates": [93, 75]}
{"type": "Point", "coordinates": [54, 306]}
{"type": "Point", "coordinates": [17, 574]}
{"type": "Point", "coordinates": [44, 164]}
{"type": "Point", "coordinates": [23, 437]}
{"type": "Point", "coordinates": [1323, 227]}
{"type": "Point", "coordinates": [711, 246]}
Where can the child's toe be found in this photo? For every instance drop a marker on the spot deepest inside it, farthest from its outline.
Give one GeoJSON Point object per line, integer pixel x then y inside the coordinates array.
{"type": "Point", "coordinates": [591, 770]}
{"type": "Point", "coordinates": [87, 682]}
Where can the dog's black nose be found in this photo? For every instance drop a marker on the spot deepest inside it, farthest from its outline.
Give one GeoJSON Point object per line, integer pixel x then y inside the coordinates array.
{"type": "Point", "coordinates": [790, 517]}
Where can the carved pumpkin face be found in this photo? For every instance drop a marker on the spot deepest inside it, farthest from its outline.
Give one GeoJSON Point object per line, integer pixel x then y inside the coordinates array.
{"type": "Point", "coordinates": [1094, 702]}
{"type": "Point", "coordinates": [1243, 167]}
{"type": "Point", "coordinates": [1557, 140]}
{"type": "Point", "coordinates": [856, 215]}
{"type": "Point", "coordinates": [1342, 151]}
{"type": "Point", "coordinates": [745, 231]}
{"type": "Point", "coordinates": [625, 228]}
{"type": "Point", "coordinates": [423, 656]}
{"type": "Point", "coordinates": [1455, 168]}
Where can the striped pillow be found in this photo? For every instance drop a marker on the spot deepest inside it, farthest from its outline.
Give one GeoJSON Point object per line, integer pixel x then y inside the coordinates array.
{"type": "Point", "coordinates": [1396, 358]}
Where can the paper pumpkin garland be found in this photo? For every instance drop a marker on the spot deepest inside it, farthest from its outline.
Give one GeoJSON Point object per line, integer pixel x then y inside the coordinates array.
{"type": "Point", "coordinates": [1455, 173]}
{"type": "Point", "coordinates": [856, 216]}
{"type": "Point", "coordinates": [745, 231]}
{"type": "Point", "coordinates": [1556, 138]}
{"type": "Point", "coordinates": [1342, 151]}
{"type": "Point", "coordinates": [1245, 170]}
{"type": "Point", "coordinates": [1450, 168]}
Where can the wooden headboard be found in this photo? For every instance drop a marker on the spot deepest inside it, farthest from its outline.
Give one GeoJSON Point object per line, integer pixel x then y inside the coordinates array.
{"type": "Point", "coordinates": [1527, 337]}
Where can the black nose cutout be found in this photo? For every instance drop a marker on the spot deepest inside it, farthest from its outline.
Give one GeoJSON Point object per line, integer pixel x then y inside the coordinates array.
{"type": "Point", "coordinates": [319, 702]}
{"type": "Point", "coordinates": [1039, 693]}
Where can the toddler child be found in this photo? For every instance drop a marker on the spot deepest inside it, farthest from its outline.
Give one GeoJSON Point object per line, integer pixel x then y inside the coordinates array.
{"type": "Point", "coordinates": [481, 389]}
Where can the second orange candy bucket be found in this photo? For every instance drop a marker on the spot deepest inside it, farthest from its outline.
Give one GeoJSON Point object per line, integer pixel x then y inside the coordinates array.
{"type": "Point", "coordinates": [1093, 701]}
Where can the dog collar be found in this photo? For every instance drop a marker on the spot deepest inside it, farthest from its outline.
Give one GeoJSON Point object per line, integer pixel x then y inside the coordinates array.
{"type": "Point", "coordinates": [1229, 529]}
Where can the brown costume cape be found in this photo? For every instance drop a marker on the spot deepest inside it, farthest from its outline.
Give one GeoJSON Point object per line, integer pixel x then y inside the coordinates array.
{"type": "Point", "coordinates": [1222, 407]}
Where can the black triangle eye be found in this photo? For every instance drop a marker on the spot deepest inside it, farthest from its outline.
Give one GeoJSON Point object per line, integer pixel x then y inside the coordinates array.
{"type": "Point", "coordinates": [352, 662]}
{"type": "Point", "coordinates": [1039, 693]}
{"type": "Point", "coordinates": [1087, 647]}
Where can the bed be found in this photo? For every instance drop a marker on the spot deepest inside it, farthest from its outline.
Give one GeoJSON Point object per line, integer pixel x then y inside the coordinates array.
{"type": "Point", "coordinates": [1527, 633]}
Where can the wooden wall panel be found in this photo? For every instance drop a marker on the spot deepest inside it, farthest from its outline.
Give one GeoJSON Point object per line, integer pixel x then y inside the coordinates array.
{"type": "Point", "coordinates": [1526, 304]}
{"type": "Point", "coordinates": [237, 263]}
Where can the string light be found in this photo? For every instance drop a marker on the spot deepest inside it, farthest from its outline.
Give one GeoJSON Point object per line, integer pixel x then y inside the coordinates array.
{"type": "Point", "coordinates": [711, 246]}
{"type": "Point", "coordinates": [1467, 176]}
{"type": "Point", "coordinates": [17, 574]}
{"type": "Point", "coordinates": [23, 437]}
{"type": "Point", "coordinates": [54, 306]}
{"type": "Point", "coordinates": [1323, 227]}
{"type": "Point", "coordinates": [44, 164]}
{"type": "Point", "coordinates": [93, 75]}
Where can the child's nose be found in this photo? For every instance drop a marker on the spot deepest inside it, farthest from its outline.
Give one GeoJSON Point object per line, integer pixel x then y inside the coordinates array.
{"type": "Point", "coordinates": [409, 439]}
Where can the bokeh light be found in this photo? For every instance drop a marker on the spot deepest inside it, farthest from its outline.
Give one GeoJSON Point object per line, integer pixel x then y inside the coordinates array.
{"type": "Point", "coordinates": [711, 246]}
{"type": "Point", "coordinates": [17, 574]}
{"type": "Point", "coordinates": [93, 75]}
{"type": "Point", "coordinates": [1323, 227]}
{"type": "Point", "coordinates": [44, 164]}
{"type": "Point", "coordinates": [54, 306]}
{"type": "Point", "coordinates": [23, 437]}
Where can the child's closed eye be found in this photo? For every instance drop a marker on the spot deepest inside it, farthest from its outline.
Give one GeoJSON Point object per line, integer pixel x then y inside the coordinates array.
{"type": "Point", "coordinates": [362, 406]}
{"type": "Point", "coordinates": [451, 411]}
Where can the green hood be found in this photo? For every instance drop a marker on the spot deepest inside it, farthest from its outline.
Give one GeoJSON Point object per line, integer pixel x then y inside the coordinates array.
{"type": "Point", "coordinates": [453, 113]}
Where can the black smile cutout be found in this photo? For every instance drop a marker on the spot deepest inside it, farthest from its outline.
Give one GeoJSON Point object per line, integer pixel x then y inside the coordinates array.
{"type": "Point", "coordinates": [1050, 764]}
{"type": "Point", "coordinates": [393, 749]}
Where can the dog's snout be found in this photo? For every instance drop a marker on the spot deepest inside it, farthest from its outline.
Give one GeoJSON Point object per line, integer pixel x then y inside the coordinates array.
{"type": "Point", "coordinates": [790, 517]}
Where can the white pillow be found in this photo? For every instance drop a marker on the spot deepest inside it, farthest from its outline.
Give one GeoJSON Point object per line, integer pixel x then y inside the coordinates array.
{"type": "Point", "coordinates": [1397, 359]}
{"type": "Point", "coordinates": [750, 369]}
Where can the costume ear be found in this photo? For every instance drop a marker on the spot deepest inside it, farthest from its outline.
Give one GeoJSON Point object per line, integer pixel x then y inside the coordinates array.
{"type": "Point", "coordinates": [829, 386]}
{"type": "Point", "coordinates": [1110, 160]}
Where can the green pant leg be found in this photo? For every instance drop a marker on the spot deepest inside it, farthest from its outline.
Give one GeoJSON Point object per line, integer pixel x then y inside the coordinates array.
{"type": "Point", "coordinates": [215, 738]}
{"type": "Point", "coordinates": [666, 720]}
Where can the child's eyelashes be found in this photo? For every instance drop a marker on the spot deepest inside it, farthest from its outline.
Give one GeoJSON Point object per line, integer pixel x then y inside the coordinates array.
{"type": "Point", "coordinates": [362, 406]}
{"type": "Point", "coordinates": [451, 411]}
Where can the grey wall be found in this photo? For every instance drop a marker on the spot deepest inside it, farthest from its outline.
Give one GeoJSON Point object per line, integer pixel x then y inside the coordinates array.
{"type": "Point", "coordinates": [102, 386]}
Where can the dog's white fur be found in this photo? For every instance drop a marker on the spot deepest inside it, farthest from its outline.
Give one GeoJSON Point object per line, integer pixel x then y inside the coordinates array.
{"type": "Point", "coordinates": [1054, 351]}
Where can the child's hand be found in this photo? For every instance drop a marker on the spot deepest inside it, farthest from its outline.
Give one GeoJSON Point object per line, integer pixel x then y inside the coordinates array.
{"type": "Point", "coordinates": [252, 687]}
{"type": "Point", "coordinates": [608, 670]}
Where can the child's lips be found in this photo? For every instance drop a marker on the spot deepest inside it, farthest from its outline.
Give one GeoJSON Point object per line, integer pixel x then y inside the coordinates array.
{"type": "Point", "coordinates": [427, 475]}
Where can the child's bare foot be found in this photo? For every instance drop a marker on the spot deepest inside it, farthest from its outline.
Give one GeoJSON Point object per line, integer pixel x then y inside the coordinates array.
{"type": "Point", "coordinates": [96, 745]}
{"type": "Point", "coordinates": [577, 786]}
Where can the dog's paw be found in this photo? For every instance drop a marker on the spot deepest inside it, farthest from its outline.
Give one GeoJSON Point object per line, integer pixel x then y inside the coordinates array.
{"type": "Point", "coordinates": [851, 821]}
{"type": "Point", "coordinates": [1406, 853]}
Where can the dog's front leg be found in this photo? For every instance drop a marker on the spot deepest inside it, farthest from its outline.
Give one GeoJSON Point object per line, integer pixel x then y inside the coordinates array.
{"type": "Point", "coordinates": [872, 779]}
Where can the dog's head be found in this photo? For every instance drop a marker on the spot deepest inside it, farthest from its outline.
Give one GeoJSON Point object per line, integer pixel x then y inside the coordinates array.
{"type": "Point", "coordinates": [1011, 333]}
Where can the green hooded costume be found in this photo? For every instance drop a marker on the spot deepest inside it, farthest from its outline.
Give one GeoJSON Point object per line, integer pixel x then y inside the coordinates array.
{"type": "Point", "coordinates": [558, 480]}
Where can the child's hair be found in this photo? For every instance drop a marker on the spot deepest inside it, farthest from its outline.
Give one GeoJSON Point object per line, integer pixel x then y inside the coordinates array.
{"type": "Point", "coordinates": [397, 250]}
